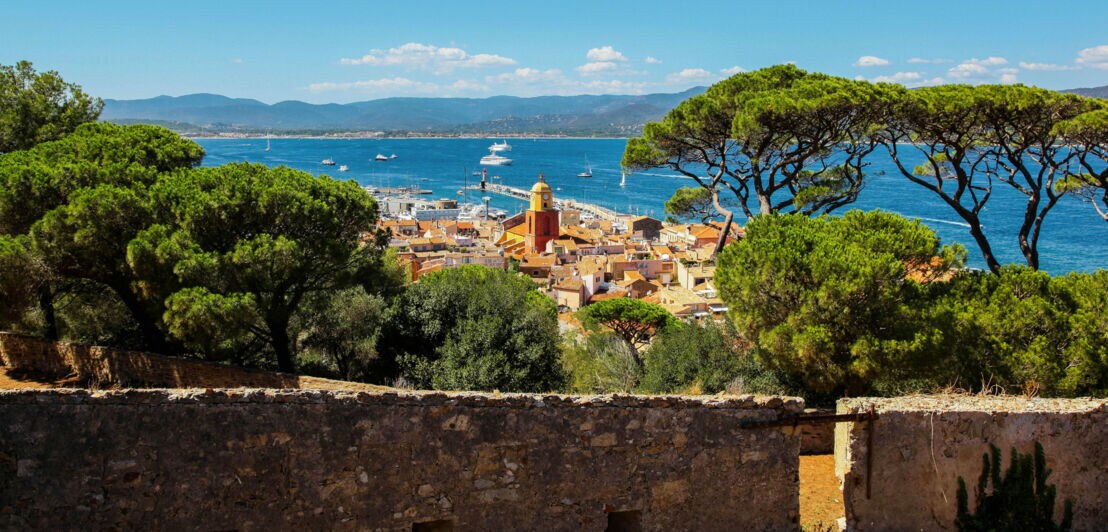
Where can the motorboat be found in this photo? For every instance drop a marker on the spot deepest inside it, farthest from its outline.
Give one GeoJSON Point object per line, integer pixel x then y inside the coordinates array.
{"type": "Point", "coordinates": [500, 146]}
{"type": "Point", "coordinates": [380, 157]}
{"type": "Point", "coordinates": [393, 156]}
{"type": "Point", "coordinates": [328, 162]}
{"type": "Point", "coordinates": [344, 168]}
{"type": "Point", "coordinates": [492, 159]}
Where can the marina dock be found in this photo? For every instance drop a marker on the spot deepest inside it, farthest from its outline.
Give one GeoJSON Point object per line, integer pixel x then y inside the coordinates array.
{"type": "Point", "coordinates": [396, 191]}
{"type": "Point", "coordinates": [525, 195]}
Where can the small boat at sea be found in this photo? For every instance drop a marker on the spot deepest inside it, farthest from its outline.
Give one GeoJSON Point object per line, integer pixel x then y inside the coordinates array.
{"type": "Point", "coordinates": [344, 168]}
{"type": "Point", "coordinates": [499, 147]}
{"type": "Point", "coordinates": [588, 169]}
{"type": "Point", "coordinates": [266, 141]}
{"type": "Point", "coordinates": [623, 179]}
{"type": "Point", "coordinates": [492, 159]}
{"type": "Point", "coordinates": [328, 162]}
{"type": "Point", "coordinates": [393, 156]}
{"type": "Point", "coordinates": [380, 157]}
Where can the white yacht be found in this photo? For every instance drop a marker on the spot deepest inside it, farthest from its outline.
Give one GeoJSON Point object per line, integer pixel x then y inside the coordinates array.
{"type": "Point", "coordinates": [492, 159]}
{"type": "Point", "coordinates": [588, 169]}
{"type": "Point", "coordinates": [393, 156]}
{"type": "Point", "coordinates": [344, 168]}
{"type": "Point", "coordinates": [500, 146]}
{"type": "Point", "coordinates": [380, 157]}
{"type": "Point", "coordinates": [328, 162]}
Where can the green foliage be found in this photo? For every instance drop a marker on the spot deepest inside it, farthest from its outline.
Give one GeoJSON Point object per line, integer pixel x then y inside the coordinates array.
{"type": "Point", "coordinates": [600, 363]}
{"type": "Point", "coordinates": [690, 203]}
{"type": "Point", "coordinates": [973, 136]}
{"type": "Point", "coordinates": [81, 199]}
{"type": "Point", "coordinates": [246, 245]}
{"type": "Point", "coordinates": [826, 300]}
{"type": "Point", "coordinates": [691, 353]}
{"type": "Point", "coordinates": [1021, 500]}
{"type": "Point", "coordinates": [20, 275]}
{"type": "Point", "coordinates": [634, 320]}
{"type": "Point", "coordinates": [1087, 136]}
{"type": "Point", "coordinates": [474, 328]}
{"type": "Point", "coordinates": [40, 107]}
{"type": "Point", "coordinates": [1024, 330]}
{"type": "Point", "coordinates": [343, 332]}
{"type": "Point", "coordinates": [91, 313]}
{"type": "Point", "coordinates": [780, 139]}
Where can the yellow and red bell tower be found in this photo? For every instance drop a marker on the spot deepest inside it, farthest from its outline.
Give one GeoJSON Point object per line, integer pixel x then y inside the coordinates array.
{"type": "Point", "coordinates": [541, 218]}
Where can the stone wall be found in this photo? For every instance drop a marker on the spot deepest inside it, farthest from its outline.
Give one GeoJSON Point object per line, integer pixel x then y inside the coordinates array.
{"type": "Point", "coordinates": [105, 367]}
{"type": "Point", "coordinates": [267, 459]}
{"type": "Point", "coordinates": [921, 445]}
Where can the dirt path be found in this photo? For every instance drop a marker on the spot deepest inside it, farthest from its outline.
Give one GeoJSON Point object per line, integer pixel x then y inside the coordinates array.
{"type": "Point", "coordinates": [821, 501]}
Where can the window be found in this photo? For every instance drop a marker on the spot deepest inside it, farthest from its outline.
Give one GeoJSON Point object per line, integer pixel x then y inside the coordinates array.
{"type": "Point", "coordinates": [625, 521]}
{"type": "Point", "coordinates": [441, 525]}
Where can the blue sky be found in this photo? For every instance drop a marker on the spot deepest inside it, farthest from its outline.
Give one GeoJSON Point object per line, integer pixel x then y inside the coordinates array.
{"type": "Point", "coordinates": [351, 51]}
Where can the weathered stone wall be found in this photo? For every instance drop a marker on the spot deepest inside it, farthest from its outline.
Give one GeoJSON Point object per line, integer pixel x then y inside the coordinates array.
{"type": "Point", "coordinates": [105, 367]}
{"type": "Point", "coordinates": [921, 445]}
{"type": "Point", "coordinates": [278, 460]}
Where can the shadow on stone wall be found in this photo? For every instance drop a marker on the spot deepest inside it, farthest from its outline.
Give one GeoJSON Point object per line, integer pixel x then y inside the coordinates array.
{"type": "Point", "coordinates": [105, 367]}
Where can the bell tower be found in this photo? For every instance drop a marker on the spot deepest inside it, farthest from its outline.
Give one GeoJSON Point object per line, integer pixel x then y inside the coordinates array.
{"type": "Point", "coordinates": [541, 218]}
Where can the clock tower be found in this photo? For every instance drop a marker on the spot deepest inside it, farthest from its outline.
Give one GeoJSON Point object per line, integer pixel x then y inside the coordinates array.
{"type": "Point", "coordinates": [541, 218]}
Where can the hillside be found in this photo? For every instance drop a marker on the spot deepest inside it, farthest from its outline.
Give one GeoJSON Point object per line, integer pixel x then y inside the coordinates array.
{"type": "Point", "coordinates": [582, 115]}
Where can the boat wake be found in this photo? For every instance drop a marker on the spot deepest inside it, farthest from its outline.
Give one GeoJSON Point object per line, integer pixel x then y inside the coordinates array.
{"type": "Point", "coordinates": [940, 221]}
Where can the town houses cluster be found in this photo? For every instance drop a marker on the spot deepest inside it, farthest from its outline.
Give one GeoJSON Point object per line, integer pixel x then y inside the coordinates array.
{"type": "Point", "coordinates": [576, 260]}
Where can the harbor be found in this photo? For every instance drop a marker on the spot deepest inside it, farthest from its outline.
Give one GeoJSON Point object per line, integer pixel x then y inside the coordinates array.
{"type": "Point", "coordinates": [602, 213]}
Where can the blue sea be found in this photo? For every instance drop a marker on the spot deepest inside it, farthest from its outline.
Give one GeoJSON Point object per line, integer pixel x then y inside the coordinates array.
{"type": "Point", "coordinates": [1074, 238]}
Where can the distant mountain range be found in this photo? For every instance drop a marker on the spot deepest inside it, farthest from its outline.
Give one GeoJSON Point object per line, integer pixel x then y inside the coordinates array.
{"type": "Point", "coordinates": [612, 115]}
{"type": "Point", "coordinates": [1096, 92]}
{"type": "Point", "coordinates": [557, 115]}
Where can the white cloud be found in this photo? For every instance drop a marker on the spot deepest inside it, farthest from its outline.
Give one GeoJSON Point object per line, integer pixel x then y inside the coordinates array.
{"type": "Point", "coordinates": [1045, 67]}
{"type": "Point", "coordinates": [651, 60]}
{"type": "Point", "coordinates": [966, 70]}
{"type": "Point", "coordinates": [605, 61]}
{"type": "Point", "coordinates": [909, 79]}
{"type": "Point", "coordinates": [899, 77]}
{"type": "Point", "coordinates": [732, 71]}
{"type": "Point", "coordinates": [385, 85]}
{"type": "Point", "coordinates": [917, 60]}
{"type": "Point", "coordinates": [531, 82]}
{"type": "Point", "coordinates": [597, 67]}
{"type": "Point", "coordinates": [237, 61]}
{"type": "Point", "coordinates": [871, 61]}
{"type": "Point", "coordinates": [979, 70]}
{"type": "Point", "coordinates": [527, 75]}
{"type": "Point", "coordinates": [604, 54]}
{"type": "Point", "coordinates": [426, 56]}
{"type": "Point", "coordinates": [1095, 57]}
{"type": "Point", "coordinates": [691, 74]}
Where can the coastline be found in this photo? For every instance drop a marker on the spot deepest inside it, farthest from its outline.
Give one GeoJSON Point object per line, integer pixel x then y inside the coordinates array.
{"type": "Point", "coordinates": [238, 136]}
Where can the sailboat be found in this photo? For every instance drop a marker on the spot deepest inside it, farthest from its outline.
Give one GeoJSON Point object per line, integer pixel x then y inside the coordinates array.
{"type": "Point", "coordinates": [266, 141]}
{"type": "Point", "coordinates": [623, 179]}
{"type": "Point", "coordinates": [588, 169]}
